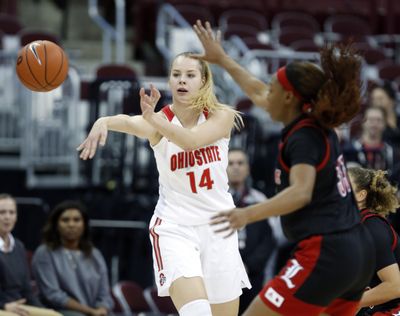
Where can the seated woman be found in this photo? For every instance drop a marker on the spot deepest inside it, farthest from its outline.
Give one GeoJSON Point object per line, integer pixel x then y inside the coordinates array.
{"type": "Point", "coordinates": [71, 274]}
{"type": "Point", "coordinates": [15, 286]}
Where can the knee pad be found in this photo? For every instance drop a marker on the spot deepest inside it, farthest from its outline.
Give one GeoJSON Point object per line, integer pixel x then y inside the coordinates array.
{"type": "Point", "coordinates": [196, 308]}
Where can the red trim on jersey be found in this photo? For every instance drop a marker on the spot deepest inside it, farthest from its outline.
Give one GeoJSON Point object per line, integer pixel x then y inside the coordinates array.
{"type": "Point", "coordinates": [279, 293]}
{"type": "Point", "coordinates": [168, 112]}
{"type": "Point", "coordinates": [156, 244]}
{"type": "Point", "coordinates": [342, 307]}
{"type": "Point", "coordinates": [393, 311]}
{"type": "Point", "coordinates": [366, 213]}
{"type": "Point", "coordinates": [170, 115]}
{"type": "Point", "coordinates": [305, 123]}
{"type": "Point", "coordinates": [285, 83]}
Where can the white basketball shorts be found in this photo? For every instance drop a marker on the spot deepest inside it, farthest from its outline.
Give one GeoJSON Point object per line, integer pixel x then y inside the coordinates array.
{"type": "Point", "coordinates": [191, 251]}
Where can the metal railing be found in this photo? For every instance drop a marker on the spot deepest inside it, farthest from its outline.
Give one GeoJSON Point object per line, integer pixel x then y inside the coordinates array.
{"type": "Point", "coordinates": [110, 33]}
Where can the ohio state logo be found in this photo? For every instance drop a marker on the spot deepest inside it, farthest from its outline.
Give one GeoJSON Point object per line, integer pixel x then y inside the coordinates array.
{"type": "Point", "coordinates": [278, 173]}
{"type": "Point", "coordinates": [163, 279]}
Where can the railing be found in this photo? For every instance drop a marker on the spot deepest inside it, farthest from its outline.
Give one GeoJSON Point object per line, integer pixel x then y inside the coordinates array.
{"type": "Point", "coordinates": [53, 128]}
{"type": "Point", "coordinates": [109, 32]}
{"type": "Point", "coordinates": [12, 112]}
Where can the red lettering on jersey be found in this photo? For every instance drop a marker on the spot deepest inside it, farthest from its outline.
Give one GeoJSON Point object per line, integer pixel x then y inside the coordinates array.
{"type": "Point", "coordinates": [181, 158]}
{"type": "Point", "coordinates": [191, 159]}
{"type": "Point", "coordinates": [173, 162]}
{"type": "Point", "coordinates": [209, 154]}
{"type": "Point", "coordinates": [186, 159]}
{"type": "Point", "coordinates": [197, 155]}
{"type": "Point", "coordinates": [202, 150]}
{"type": "Point", "coordinates": [217, 152]}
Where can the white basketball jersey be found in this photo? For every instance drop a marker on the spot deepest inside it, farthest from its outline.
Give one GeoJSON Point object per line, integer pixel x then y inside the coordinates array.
{"type": "Point", "coordinates": [193, 184]}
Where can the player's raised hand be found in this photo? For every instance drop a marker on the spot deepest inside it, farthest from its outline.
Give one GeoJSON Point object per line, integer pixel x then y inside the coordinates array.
{"type": "Point", "coordinates": [229, 221]}
{"type": "Point", "coordinates": [97, 136]}
{"type": "Point", "coordinates": [148, 102]}
{"type": "Point", "coordinates": [213, 51]}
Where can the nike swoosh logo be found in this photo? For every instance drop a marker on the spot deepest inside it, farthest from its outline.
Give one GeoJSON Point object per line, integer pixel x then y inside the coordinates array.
{"type": "Point", "coordinates": [32, 48]}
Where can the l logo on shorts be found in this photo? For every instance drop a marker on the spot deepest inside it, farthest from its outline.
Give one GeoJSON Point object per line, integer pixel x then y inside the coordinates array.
{"type": "Point", "coordinates": [162, 279]}
{"type": "Point", "coordinates": [291, 272]}
{"type": "Point", "coordinates": [274, 297]}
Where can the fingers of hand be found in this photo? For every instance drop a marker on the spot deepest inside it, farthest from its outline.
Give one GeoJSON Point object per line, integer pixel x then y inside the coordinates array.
{"type": "Point", "coordinates": [219, 36]}
{"type": "Point", "coordinates": [209, 30]}
{"type": "Point", "coordinates": [92, 150]}
{"type": "Point", "coordinates": [103, 138]}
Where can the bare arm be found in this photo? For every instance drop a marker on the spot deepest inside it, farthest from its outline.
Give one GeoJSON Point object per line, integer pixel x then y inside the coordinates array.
{"type": "Point", "coordinates": [388, 290]}
{"type": "Point", "coordinates": [294, 197]}
{"type": "Point", "coordinates": [254, 88]}
{"type": "Point", "coordinates": [74, 305]}
{"type": "Point", "coordinates": [216, 127]}
{"type": "Point", "coordinates": [134, 125]}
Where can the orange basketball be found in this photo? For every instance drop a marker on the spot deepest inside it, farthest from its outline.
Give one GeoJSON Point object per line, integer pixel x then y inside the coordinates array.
{"type": "Point", "coordinates": [42, 66]}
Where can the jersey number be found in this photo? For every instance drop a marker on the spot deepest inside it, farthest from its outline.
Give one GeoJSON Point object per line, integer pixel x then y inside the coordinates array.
{"type": "Point", "coordinates": [343, 183]}
{"type": "Point", "coordinates": [205, 180]}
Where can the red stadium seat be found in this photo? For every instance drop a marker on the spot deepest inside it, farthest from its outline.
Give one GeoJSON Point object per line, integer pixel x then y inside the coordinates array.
{"type": "Point", "coordinates": [28, 35]}
{"type": "Point", "coordinates": [387, 70]}
{"type": "Point", "coordinates": [159, 305]}
{"type": "Point", "coordinates": [348, 27]}
{"type": "Point", "coordinates": [243, 18]}
{"type": "Point", "coordinates": [295, 19]}
{"type": "Point", "coordinates": [130, 297]}
{"type": "Point", "coordinates": [289, 35]}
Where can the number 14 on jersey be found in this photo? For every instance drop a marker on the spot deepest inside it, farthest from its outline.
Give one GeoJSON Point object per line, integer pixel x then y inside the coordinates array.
{"type": "Point", "coordinates": [205, 180]}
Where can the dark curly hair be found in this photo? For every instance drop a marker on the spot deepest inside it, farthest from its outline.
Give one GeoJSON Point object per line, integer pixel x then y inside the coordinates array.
{"type": "Point", "coordinates": [381, 194]}
{"type": "Point", "coordinates": [51, 235]}
{"type": "Point", "coordinates": [334, 90]}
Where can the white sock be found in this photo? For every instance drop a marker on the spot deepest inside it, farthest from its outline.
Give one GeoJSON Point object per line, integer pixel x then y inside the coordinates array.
{"type": "Point", "coordinates": [196, 308]}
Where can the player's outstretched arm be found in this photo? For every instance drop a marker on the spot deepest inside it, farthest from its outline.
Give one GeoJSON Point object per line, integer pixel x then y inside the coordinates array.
{"type": "Point", "coordinates": [255, 89]}
{"type": "Point", "coordinates": [134, 125]}
{"type": "Point", "coordinates": [291, 199]}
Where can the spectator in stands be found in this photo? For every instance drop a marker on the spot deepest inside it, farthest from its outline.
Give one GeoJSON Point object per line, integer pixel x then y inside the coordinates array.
{"type": "Point", "coordinates": [15, 282]}
{"type": "Point", "coordinates": [256, 241]}
{"type": "Point", "coordinates": [71, 274]}
{"type": "Point", "coordinates": [370, 150]}
{"type": "Point", "coordinates": [385, 97]}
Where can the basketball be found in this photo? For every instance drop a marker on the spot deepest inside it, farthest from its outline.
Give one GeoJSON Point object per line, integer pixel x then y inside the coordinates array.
{"type": "Point", "coordinates": [42, 66]}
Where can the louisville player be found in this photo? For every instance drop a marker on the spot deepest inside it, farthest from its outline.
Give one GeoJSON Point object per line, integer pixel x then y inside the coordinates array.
{"type": "Point", "coordinates": [376, 199]}
{"type": "Point", "coordinates": [331, 265]}
{"type": "Point", "coordinates": [202, 272]}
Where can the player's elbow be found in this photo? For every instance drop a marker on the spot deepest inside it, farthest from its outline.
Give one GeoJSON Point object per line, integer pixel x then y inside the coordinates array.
{"type": "Point", "coordinates": [395, 290]}
{"type": "Point", "coordinates": [304, 197]}
{"type": "Point", "coordinates": [190, 144]}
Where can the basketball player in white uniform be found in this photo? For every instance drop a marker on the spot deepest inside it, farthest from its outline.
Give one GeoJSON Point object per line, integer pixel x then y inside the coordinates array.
{"type": "Point", "coordinates": [201, 271]}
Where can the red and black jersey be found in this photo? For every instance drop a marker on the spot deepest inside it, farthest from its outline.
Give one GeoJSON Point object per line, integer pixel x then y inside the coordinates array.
{"type": "Point", "coordinates": [332, 208]}
{"type": "Point", "coordinates": [387, 248]}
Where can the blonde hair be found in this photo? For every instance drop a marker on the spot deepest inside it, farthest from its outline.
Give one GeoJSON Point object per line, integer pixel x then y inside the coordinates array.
{"type": "Point", "coordinates": [206, 100]}
{"type": "Point", "coordinates": [381, 194]}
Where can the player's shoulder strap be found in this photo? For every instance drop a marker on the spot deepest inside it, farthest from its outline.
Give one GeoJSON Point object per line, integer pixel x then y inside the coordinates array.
{"type": "Point", "coordinates": [170, 115]}
{"type": "Point", "coordinates": [366, 213]}
{"type": "Point", "coordinates": [168, 112]}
